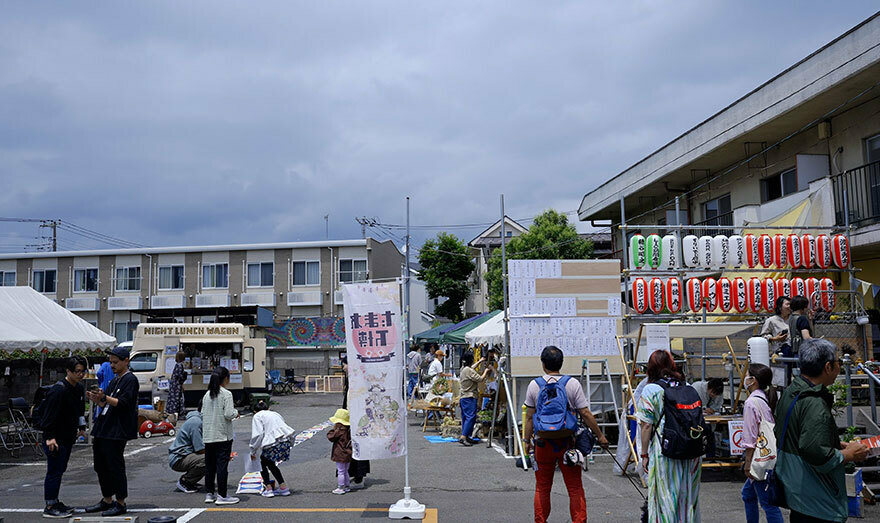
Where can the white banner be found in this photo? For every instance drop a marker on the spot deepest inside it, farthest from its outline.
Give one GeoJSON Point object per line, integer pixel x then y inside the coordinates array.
{"type": "Point", "coordinates": [375, 369]}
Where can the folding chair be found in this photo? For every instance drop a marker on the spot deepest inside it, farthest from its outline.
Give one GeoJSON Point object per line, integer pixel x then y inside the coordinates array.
{"type": "Point", "coordinates": [294, 384]}
{"type": "Point", "coordinates": [279, 386]}
{"type": "Point", "coordinates": [22, 429]}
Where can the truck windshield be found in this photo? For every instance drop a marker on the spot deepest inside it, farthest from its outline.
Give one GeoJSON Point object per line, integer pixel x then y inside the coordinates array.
{"type": "Point", "coordinates": [144, 362]}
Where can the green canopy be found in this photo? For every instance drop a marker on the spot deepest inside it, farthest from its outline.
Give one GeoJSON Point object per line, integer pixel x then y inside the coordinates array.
{"type": "Point", "coordinates": [430, 335]}
{"type": "Point", "coordinates": [456, 336]}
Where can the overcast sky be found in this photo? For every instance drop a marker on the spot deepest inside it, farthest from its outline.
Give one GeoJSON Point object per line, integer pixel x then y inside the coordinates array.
{"type": "Point", "coordinates": [171, 123]}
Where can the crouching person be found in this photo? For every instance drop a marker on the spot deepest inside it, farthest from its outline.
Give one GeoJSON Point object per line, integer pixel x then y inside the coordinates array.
{"type": "Point", "coordinates": [187, 453]}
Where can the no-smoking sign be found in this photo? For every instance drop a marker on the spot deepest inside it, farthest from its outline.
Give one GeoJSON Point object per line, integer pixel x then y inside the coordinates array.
{"type": "Point", "coordinates": [735, 433]}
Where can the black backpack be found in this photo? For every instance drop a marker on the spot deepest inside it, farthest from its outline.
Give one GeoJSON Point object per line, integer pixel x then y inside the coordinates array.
{"type": "Point", "coordinates": [39, 414]}
{"type": "Point", "coordinates": [685, 434]}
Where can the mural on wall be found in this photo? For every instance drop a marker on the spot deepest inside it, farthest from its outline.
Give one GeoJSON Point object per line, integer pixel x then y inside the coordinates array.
{"type": "Point", "coordinates": [307, 332]}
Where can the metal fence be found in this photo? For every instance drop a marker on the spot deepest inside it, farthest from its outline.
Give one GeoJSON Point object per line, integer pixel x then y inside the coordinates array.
{"type": "Point", "coordinates": [862, 186]}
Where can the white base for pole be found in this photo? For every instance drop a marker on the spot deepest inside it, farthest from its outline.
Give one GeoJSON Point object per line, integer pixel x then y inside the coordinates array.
{"type": "Point", "coordinates": [406, 508]}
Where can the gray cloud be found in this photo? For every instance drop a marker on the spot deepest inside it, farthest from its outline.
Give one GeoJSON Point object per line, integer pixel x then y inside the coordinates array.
{"type": "Point", "coordinates": [202, 122]}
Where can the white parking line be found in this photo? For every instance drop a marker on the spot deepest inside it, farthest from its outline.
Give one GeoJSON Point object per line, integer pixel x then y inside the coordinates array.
{"type": "Point", "coordinates": [140, 449]}
{"type": "Point", "coordinates": [35, 464]}
{"type": "Point", "coordinates": [175, 509]}
{"type": "Point", "coordinates": [190, 515]}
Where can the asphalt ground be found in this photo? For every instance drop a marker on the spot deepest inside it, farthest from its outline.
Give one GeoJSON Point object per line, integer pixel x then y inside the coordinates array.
{"type": "Point", "coordinates": [456, 483]}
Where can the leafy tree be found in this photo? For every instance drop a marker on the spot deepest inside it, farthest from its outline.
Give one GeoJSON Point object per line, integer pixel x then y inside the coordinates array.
{"type": "Point", "coordinates": [446, 267]}
{"type": "Point", "coordinates": [550, 237]}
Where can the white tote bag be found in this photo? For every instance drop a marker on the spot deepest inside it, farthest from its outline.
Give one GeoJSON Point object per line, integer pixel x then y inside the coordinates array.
{"type": "Point", "coordinates": [764, 457]}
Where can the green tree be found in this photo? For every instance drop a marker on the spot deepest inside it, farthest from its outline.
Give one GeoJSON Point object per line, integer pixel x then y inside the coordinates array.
{"type": "Point", "coordinates": [550, 237]}
{"type": "Point", "coordinates": [446, 267]}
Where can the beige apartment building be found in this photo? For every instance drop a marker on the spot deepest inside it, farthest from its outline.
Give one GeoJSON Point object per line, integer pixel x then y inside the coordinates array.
{"type": "Point", "coordinates": [108, 288]}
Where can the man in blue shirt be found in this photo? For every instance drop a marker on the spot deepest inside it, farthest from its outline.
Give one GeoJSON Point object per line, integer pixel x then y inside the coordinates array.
{"type": "Point", "coordinates": [187, 453]}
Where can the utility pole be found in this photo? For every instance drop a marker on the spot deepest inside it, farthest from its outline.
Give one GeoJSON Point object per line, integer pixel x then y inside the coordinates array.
{"type": "Point", "coordinates": [326, 226]}
{"type": "Point", "coordinates": [52, 224]}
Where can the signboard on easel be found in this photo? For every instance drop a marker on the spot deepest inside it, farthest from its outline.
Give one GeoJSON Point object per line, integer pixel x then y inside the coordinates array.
{"type": "Point", "coordinates": [573, 304]}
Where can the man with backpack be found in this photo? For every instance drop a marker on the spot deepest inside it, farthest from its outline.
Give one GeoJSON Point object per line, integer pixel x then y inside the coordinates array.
{"type": "Point", "coordinates": [60, 415]}
{"type": "Point", "coordinates": [553, 404]}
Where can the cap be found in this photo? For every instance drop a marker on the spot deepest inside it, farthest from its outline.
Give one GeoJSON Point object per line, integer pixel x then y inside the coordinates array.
{"type": "Point", "coordinates": [120, 352]}
{"type": "Point", "coordinates": [439, 353]}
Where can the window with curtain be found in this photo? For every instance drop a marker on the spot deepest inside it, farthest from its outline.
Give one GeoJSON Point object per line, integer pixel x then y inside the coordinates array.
{"type": "Point", "coordinates": [7, 278]}
{"type": "Point", "coordinates": [128, 278]}
{"type": "Point", "coordinates": [872, 149]}
{"type": "Point", "coordinates": [306, 273]}
{"type": "Point", "coordinates": [45, 280]}
{"type": "Point", "coordinates": [261, 274]}
{"type": "Point", "coordinates": [85, 280]}
{"type": "Point", "coordinates": [352, 271]}
{"type": "Point", "coordinates": [215, 276]}
{"type": "Point", "coordinates": [171, 277]}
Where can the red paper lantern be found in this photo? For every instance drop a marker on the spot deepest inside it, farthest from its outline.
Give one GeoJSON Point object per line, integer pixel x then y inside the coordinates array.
{"type": "Point", "coordinates": [798, 287]}
{"type": "Point", "coordinates": [783, 287]}
{"type": "Point", "coordinates": [768, 294]}
{"type": "Point", "coordinates": [710, 294]}
{"type": "Point", "coordinates": [725, 294]}
{"type": "Point", "coordinates": [826, 294]}
{"type": "Point", "coordinates": [823, 251]}
{"type": "Point", "coordinates": [808, 250]}
{"type": "Point", "coordinates": [640, 295]}
{"type": "Point", "coordinates": [812, 287]}
{"type": "Point", "coordinates": [795, 259]}
{"type": "Point", "coordinates": [740, 295]}
{"type": "Point", "coordinates": [840, 251]}
{"type": "Point", "coordinates": [752, 255]}
{"type": "Point", "coordinates": [765, 250]}
{"type": "Point", "coordinates": [694, 294]}
{"type": "Point", "coordinates": [673, 294]}
{"type": "Point", "coordinates": [656, 295]}
{"type": "Point", "coordinates": [780, 251]}
{"type": "Point", "coordinates": [754, 294]}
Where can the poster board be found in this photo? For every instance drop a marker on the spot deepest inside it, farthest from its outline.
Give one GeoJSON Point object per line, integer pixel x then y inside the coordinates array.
{"type": "Point", "coordinates": [573, 304]}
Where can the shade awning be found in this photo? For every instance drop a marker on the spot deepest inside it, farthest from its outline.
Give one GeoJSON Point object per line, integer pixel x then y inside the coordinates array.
{"type": "Point", "coordinates": [457, 336]}
{"type": "Point", "coordinates": [434, 335]}
{"type": "Point", "coordinates": [489, 333]}
{"type": "Point", "coordinates": [211, 339]}
{"type": "Point", "coordinates": [698, 330]}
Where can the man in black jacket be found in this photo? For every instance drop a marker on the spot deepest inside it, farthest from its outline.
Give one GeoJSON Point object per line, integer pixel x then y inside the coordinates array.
{"type": "Point", "coordinates": [60, 416]}
{"type": "Point", "coordinates": [115, 424]}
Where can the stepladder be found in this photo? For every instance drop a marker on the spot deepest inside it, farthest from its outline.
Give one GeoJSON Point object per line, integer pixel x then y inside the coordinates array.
{"type": "Point", "coordinates": [599, 390]}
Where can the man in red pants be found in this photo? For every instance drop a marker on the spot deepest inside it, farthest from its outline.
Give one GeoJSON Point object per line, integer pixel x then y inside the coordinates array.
{"type": "Point", "coordinates": [550, 447]}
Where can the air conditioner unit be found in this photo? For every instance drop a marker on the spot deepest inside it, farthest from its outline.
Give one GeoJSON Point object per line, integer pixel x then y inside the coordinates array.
{"type": "Point", "coordinates": [172, 301]}
{"type": "Point", "coordinates": [124, 303]}
{"type": "Point", "coordinates": [82, 304]}
{"type": "Point", "coordinates": [337, 297]}
{"type": "Point", "coordinates": [263, 299]}
{"type": "Point", "coordinates": [304, 298]}
{"type": "Point", "coordinates": [213, 300]}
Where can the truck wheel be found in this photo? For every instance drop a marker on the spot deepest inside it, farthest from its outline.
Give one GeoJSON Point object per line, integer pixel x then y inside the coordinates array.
{"type": "Point", "coordinates": [147, 434]}
{"type": "Point", "coordinates": [171, 432]}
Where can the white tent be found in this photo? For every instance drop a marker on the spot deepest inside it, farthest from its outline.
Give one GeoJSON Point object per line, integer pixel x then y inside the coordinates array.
{"type": "Point", "coordinates": [30, 321]}
{"type": "Point", "coordinates": [490, 333]}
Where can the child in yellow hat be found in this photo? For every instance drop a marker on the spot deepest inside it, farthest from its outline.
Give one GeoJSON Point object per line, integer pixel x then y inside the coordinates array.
{"type": "Point", "coordinates": [340, 435]}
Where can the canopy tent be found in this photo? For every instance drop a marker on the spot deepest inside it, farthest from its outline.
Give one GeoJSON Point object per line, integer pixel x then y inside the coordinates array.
{"type": "Point", "coordinates": [434, 335]}
{"type": "Point", "coordinates": [490, 333]}
{"type": "Point", "coordinates": [31, 322]}
{"type": "Point", "coordinates": [457, 336]}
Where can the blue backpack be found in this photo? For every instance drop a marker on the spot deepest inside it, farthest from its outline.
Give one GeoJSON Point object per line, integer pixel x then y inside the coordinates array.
{"type": "Point", "coordinates": [551, 410]}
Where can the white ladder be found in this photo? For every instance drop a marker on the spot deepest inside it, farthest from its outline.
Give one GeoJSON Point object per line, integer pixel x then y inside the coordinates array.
{"type": "Point", "coordinates": [604, 375]}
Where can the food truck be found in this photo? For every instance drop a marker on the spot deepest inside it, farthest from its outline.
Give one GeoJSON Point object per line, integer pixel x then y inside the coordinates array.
{"type": "Point", "coordinates": [205, 346]}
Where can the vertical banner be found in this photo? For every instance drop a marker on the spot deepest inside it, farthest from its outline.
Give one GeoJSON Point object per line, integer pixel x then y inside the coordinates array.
{"type": "Point", "coordinates": [375, 369]}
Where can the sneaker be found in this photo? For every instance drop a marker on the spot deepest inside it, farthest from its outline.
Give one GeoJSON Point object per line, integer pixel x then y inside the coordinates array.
{"type": "Point", "coordinates": [210, 498]}
{"type": "Point", "coordinates": [268, 493]}
{"type": "Point", "coordinates": [228, 500]}
{"type": "Point", "coordinates": [340, 490]}
{"type": "Point", "coordinates": [466, 442]}
{"type": "Point", "coordinates": [184, 488]}
{"type": "Point", "coordinates": [282, 492]}
{"type": "Point", "coordinates": [57, 512]}
{"type": "Point", "coordinates": [356, 486]}
{"type": "Point", "coordinates": [116, 510]}
{"type": "Point", "coordinates": [100, 506]}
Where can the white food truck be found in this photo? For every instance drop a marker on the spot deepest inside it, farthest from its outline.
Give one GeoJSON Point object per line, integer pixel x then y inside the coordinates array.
{"type": "Point", "coordinates": [205, 346]}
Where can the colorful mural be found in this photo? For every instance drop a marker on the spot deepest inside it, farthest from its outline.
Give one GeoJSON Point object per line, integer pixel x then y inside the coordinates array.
{"type": "Point", "coordinates": [307, 332]}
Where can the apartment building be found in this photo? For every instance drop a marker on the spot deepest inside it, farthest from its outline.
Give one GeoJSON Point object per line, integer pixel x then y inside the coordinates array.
{"type": "Point", "coordinates": [107, 287]}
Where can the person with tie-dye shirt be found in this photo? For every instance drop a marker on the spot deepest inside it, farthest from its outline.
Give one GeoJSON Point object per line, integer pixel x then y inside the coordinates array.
{"type": "Point", "coordinates": [673, 484]}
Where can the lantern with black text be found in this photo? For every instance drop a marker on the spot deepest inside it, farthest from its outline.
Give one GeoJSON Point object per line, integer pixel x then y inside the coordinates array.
{"type": "Point", "coordinates": [705, 247]}
{"type": "Point", "coordinates": [740, 295]}
{"type": "Point", "coordinates": [826, 294]}
{"type": "Point", "coordinates": [783, 287]}
{"type": "Point", "coordinates": [780, 251]}
{"type": "Point", "coordinates": [710, 294]}
{"type": "Point", "coordinates": [725, 294]}
{"type": "Point", "coordinates": [653, 251]}
{"type": "Point", "coordinates": [754, 294]}
{"type": "Point", "coordinates": [640, 295]}
{"type": "Point", "coordinates": [720, 251]}
{"type": "Point", "coordinates": [795, 259]}
{"type": "Point", "coordinates": [637, 254]}
{"type": "Point", "coordinates": [690, 253]}
{"type": "Point", "coordinates": [656, 296]}
{"type": "Point", "coordinates": [812, 287]}
{"type": "Point", "coordinates": [737, 246]}
{"type": "Point", "coordinates": [768, 294]}
{"type": "Point", "coordinates": [765, 251]}
{"type": "Point", "coordinates": [840, 251]}
{"type": "Point", "coordinates": [808, 251]}
{"type": "Point", "coordinates": [673, 295]}
{"type": "Point", "coordinates": [752, 255]}
{"type": "Point", "coordinates": [669, 252]}
{"type": "Point", "coordinates": [694, 294]}
{"type": "Point", "coordinates": [798, 287]}
{"type": "Point", "coordinates": [823, 251]}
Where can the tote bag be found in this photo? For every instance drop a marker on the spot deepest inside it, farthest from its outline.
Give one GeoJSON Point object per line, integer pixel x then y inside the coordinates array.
{"type": "Point", "coordinates": [764, 457]}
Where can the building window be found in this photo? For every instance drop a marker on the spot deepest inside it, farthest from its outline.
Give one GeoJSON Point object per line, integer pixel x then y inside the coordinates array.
{"type": "Point", "coordinates": [306, 273]}
{"type": "Point", "coordinates": [872, 149]}
{"type": "Point", "coordinates": [128, 278]}
{"type": "Point", "coordinates": [85, 280]}
{"type": "Point", "coordinates": [44, 280]}
{"type": "Point", "coordinates": [7, 278]}
{"type": "Point", "coordinates": [779, 185]}
{"type": "Point", "coordinates": [261, 274]}
{"type": "Point", "coordinates": [352, 271]}
{"type": "Point", "coordinates": [171, 277]}
{"type": "Point", "coordinates": [124, 330]}
{"type": "Point", "coordinates": [215, 276]}
{"type": "Point", "coordinates": [715, 208]}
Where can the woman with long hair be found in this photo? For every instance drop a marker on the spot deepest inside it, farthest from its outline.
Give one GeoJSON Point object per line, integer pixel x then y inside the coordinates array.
{"type": "Point", "coordinates": [218, 411]}
{"type": "Point", "coordinates": [758, 406]}
{"type": "Point", "coordinates": [775, 328]}
{"type": "Point", "coordinates": [673, 484]}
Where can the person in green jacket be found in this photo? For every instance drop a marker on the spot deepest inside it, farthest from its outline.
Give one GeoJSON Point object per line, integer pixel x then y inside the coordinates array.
{"type": "Point", "coordinates": [810, 462]}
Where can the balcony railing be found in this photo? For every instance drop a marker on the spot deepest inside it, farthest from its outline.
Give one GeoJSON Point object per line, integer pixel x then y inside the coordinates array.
{"type": "Point", "coordinates": [862, 186]}
{"type": "Point", "coordinates": [721, 220]}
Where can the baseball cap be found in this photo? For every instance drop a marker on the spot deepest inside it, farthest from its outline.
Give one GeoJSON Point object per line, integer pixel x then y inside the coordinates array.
{"type": "Point", "coordinates": [120, 352]}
